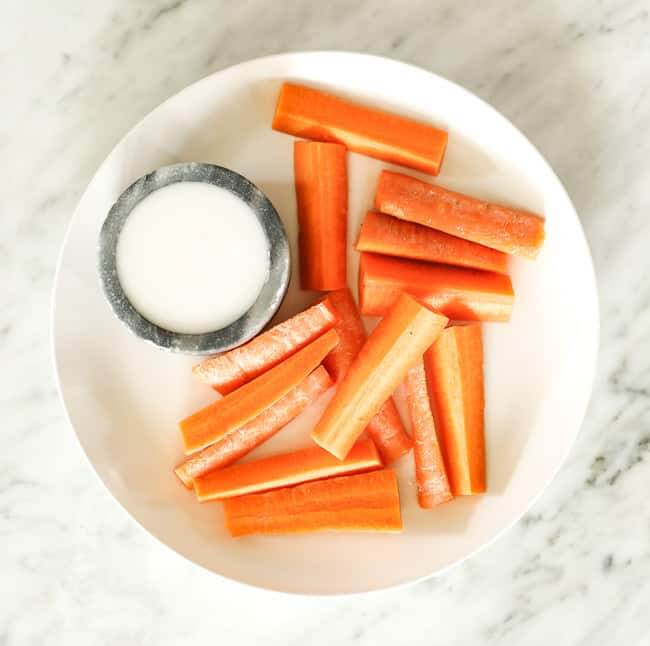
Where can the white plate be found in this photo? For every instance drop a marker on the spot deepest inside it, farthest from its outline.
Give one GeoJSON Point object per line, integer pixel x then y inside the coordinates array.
{"type": "Point", "coordinates": [124, 397]}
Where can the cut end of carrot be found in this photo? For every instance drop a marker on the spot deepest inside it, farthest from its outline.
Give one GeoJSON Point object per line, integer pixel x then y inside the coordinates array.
{"type": "Point", "coordinates": [338, 452]}
{"type": "Point", "coordinates": [183, 476]}
{"type": "Point", "coordinates": [221, 373]}
{"type": "Point", "coordinates": [241, 441]}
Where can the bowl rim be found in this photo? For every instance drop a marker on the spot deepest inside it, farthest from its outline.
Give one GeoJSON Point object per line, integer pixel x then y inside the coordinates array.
{"type": "Point", "coordinates": [401, 583]}
{"type": "Point", "coordinates": [268, 301]}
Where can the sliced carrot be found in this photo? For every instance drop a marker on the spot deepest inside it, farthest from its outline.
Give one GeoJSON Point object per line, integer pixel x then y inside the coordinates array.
{"type": "Point", "coordinates": [244, 404]}
{"type": "Point", "coordinates": [507, 229]}
{"type": "Point", "coordinates": [391, 350]}
{"type": "Point", "coordinates": [227, 372]}
{"type": "Point", "coordinates": [454, 367]}
{"type": "Point", "coordinates": [285, 470]}
{"type": "Point", "coordinates": [381, 233]}
{"type": "Point", "coordinates": [430, 475]}
{"type": "Point", "coordinates": [352, 334]}
{"type": "Point", "coordinates": [387, 431]}
{"type": "Point", "coordinates": [309, 113]}
{"type": "Point", "coordinates": [367, 502]}
{"type": "Point", "coordinates": [321, 177]}
{"type": "Point", "coordinates": [244, 439]}
{"type": "Point", "coordinates": [457, 292]}
{"type": "Point", "coordinates": [385, 428]}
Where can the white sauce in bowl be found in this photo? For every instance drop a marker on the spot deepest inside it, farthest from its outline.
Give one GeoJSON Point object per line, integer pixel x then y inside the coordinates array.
{"type": "Point", "coordinates": [192, 257]}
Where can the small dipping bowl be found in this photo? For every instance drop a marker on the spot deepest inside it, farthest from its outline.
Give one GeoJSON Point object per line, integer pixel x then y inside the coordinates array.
{"type": "Point", "coordinates": [268, 300]}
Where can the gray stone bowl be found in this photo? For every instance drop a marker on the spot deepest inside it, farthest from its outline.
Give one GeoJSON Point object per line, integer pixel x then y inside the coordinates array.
{"type": "Point", "coordinates": [270, 297]}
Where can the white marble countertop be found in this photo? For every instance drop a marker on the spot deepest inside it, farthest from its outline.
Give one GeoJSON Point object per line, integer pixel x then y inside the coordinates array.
{"type": "Point", "coordinates": [574, 76]}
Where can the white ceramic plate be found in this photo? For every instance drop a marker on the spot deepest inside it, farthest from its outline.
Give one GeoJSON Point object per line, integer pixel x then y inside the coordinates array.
{"type": "Point", "coordinates": [124, 397]}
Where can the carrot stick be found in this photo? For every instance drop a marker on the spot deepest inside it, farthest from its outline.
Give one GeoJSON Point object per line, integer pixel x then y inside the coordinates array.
{"type": "Point", "coordinates": [367, 502]}
{"type": "Point", "coordinates": [391, 350]}
{"type": "Point", "coordinates": [430, 475]}
{"type": "Point", "coordinates": [457, 292]}
{"type": "Point", "coordinates": [352, 334]}
{"type": "Point", "coordinates": [227, 372]}
{"type": "Point", "coordinates": [381, 233]}
{"type": "Point", "coordinates": [244, 404]}
{"type": "Point", "coordinates": [284, 470]}
{"type": "Point", "coordinates": [454, 367]}
{"type": "Point", "coordinates": [385, 428]}
{"type": "Point", "coordinates": [507, 229]}
{"type": "Point", "coordinates": [309, 113]}
{"type": "Point", "coordinates": [321, 178]}
{"type": "Point", "coordinates": [244, 439]}
{"type": "Point", "coordinates": [387, 431]}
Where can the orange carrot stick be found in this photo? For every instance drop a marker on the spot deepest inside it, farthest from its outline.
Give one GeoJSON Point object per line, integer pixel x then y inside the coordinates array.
{"type": "Point", "coordinates": [305, 112]}
{"type": "Point", "coordinates": [321, 178]}
{"type": "Point", "coordinates": [285, 470]}
{"type": "Point", "coordinates": [430, 475]}
{"type": "Point", "coordinates": [391, 350]}
{"type": "Point", "coordinates": [385, 428]}
{"type": "Point", "coordinates": [387, 431]}
{"type": "Point", "coordinates": [454, 367]}
{"type": "Point", "coordinates": [239, 407]}
{"type": "Point", "coordinates": [244, 439]}
{"type": "Point", "coordinates": [507, 229]}
{"type": "Point", "coordinates": [227, 372]}
{"type": "Point", "coordinates": [367, 502]}
{"type": "Point", "coordinates": [381, 233]}
{"type": "Point", "coordinates": [457, 292]}
{"type": "Point", "coordinates": [352, 334]}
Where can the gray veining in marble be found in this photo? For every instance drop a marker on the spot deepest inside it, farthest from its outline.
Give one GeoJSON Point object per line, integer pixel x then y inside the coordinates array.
{"type": "Point", "coordinates": [574, 76]}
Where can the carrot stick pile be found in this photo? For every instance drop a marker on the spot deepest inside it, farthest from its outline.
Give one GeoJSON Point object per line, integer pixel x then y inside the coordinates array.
{"type": "Point", "coordinates": [395, 345]}
{"type": "Point", "coordinates": [506, 229]}
{"type": "Point", "coordinates": [244, 404]}
{"type": "Point", "coordinates": [244, 439]}
{"type": "Point", "coordinates": [434, 265]}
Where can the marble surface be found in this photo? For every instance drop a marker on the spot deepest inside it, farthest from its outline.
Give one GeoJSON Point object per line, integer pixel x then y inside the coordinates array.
{"type": "Point", "coordinates": [575, 77]}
